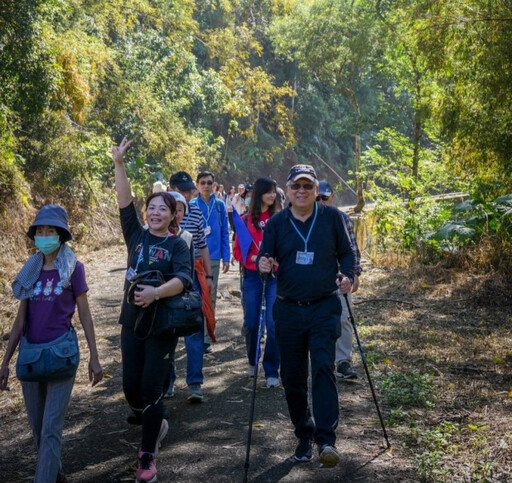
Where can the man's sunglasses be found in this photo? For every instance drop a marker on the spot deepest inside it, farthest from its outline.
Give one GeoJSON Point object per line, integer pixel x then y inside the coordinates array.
{"type": "Point", "coordinates": [324, 197]}
{"type": "Point", "coordinates": [209, 183]}
{"type": "Point", "coordinates": [298, 186]}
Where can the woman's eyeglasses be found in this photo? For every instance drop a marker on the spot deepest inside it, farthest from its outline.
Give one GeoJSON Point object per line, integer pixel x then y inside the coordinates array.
{"type": "Point", "coordinates": [298, 186]}
{"type": "Point", "coordinates": [203, 183]}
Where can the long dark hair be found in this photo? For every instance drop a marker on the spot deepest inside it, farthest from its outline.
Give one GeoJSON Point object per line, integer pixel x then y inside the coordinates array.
{"type": "Point", "coordinates": [170, 202]}
{"type": "Point", "coordinates": [260, 187]}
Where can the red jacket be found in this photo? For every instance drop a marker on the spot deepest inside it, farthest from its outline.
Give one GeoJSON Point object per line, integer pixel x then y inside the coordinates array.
{"type": "Point", "coordinates": [257, 237]}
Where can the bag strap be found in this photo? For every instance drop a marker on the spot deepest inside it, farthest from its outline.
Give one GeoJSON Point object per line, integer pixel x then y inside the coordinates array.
{"type": "Point", "coordinates": [145, 250]}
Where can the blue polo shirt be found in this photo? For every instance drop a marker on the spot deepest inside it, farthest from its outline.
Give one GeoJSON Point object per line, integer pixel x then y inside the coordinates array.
{"type": "Point", "coordinates": [215, 221]}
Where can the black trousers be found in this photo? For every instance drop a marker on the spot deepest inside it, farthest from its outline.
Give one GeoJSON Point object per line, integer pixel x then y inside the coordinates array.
{"type": "Point", "coordinates": [305, 332]}
{"type": "Point", "coordinates": [146, 378]}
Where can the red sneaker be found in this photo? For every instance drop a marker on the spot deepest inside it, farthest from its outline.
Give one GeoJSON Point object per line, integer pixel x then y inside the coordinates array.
{"type": "Point", "coordinates": [146, 469]}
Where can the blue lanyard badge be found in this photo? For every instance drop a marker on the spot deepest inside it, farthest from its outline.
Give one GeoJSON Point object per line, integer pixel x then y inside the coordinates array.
{"type": "Point", "coordinates": [305, 257]}
{"type": "Point", "coordinates": [207, 228]}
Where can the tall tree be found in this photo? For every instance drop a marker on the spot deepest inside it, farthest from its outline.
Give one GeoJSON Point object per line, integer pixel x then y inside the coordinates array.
{"type": "Point", "coordinates": [335, 42]}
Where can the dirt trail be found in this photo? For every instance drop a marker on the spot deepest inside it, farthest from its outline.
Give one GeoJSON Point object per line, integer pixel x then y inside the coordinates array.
{"type": "Point", "coordinates": [206, 442]}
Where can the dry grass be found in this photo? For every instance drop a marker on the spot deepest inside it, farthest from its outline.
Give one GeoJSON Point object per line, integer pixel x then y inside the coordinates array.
{"type": "Point", "coordinates": [454, 327]}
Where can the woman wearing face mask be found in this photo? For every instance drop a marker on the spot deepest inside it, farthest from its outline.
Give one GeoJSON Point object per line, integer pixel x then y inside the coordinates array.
{"type": "Point", "coordinates": [146, 357]}
{"type": "Point", "coordinates": [262, 206]}
{"type": "Point", "coordinates": [49, 286]}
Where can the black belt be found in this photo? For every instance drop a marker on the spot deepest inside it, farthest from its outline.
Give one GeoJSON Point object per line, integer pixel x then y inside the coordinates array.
{"type": "Point", "coordinates": [305, 302]}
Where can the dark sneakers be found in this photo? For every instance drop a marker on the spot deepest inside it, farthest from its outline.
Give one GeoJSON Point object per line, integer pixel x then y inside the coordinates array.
{"type": "Point", "coordinates": [304, 451]}
{"type": "Point", "coordinates": [345, 371]}
{"type": "Point", "coordinates": [196, 395]}
{"type": "Point", "coordinates": [328, 456]}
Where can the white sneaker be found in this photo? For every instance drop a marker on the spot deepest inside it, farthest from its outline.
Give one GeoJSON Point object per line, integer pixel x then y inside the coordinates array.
{"type": "Point", "coordinates": [272, 382]}
{"type": "Point", "coordinates": [161, 435]}
{"type": "Point", "coordinates": [328, 456]}
{"type": "Point", "coordinates": [251, 370]}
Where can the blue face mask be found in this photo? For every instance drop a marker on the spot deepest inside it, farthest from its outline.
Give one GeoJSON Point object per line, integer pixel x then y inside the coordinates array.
{"type": "Point", "coordinates": [47, 244]}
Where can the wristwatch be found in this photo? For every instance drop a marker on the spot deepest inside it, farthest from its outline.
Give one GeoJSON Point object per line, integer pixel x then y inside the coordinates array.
{"type": "Point", "coordinates": [157, 294]}
{"type": "Point", "coordinates": [209, 277]}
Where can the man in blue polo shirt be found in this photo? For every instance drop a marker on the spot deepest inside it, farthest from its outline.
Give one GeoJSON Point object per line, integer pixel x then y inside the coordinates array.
{"type": "Point", "coordinates": [309, 243]}
{"type": "Point", "coordinates": [216, 226]}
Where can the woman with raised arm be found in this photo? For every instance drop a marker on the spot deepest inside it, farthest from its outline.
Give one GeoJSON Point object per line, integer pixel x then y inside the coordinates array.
{"type": "Point", "coordinates": [146, 355]}
{"type": "Point", "coordinates": [49, 286]}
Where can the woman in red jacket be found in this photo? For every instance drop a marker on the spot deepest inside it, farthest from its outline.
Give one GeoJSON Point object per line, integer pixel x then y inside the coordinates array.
{"type": "Point", "coordinates": [262, 206]}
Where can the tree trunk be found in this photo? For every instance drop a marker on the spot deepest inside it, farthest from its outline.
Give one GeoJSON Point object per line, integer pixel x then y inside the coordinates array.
{"type": "Point", "coordinates": [357, 151]}
{"type": "Point", "coordinates": [359, 184]}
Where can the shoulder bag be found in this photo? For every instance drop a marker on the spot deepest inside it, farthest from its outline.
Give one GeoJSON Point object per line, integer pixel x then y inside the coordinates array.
{"type": "Point", "coordinates": [49, 361]}
{"type": "Point", "coordinates": [180, 315]}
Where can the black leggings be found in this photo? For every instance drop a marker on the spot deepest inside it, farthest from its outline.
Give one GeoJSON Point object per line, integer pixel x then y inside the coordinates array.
{"type": "Point", "coordinates": [146, 378]}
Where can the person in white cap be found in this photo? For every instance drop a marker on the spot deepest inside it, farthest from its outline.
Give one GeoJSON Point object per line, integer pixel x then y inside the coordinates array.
{"type": "Point", "coordinates": [239, 201]}
{"type": "Point", "coordinates": [344, 369]}
{"type": "Point", "coordinates": [309, 243]}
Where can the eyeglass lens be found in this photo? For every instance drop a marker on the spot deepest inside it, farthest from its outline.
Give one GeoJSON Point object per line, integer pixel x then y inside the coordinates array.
{"type": "Point", "coordinates": [298, 186]}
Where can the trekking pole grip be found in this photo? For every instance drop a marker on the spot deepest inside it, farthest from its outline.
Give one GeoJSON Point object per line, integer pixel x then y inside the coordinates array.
{"type": "Point", "coordinates": [265, 276]}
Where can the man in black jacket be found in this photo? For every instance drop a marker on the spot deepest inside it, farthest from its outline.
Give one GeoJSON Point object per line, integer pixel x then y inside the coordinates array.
{"type": "Point", "coordinates": [310, 245]}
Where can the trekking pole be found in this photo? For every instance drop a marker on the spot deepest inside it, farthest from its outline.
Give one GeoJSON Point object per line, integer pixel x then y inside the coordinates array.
{"type": "Point", "coordinates": [363, 358]}
{"type": "Point", "coordinates": [256, 363]}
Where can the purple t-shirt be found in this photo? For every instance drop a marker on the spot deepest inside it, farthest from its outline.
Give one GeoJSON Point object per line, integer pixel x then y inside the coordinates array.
{"type": "Point", "coordinates": [51, 308]}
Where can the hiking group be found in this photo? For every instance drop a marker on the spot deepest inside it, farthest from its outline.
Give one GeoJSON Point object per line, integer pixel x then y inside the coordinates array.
{"type": "Point", "coordinates": [303, 248]}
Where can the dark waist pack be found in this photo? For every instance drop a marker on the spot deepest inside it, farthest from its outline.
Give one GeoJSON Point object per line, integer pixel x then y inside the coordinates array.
{"type": "Point", "coordinates": [180, 315]}
{"type": "Point", "coordinates": [49, 361]}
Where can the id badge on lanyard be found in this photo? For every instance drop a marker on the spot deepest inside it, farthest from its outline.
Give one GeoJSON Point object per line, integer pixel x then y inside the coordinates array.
{"type": "Point", "coordinates": [130, 273]}
{"type": "Point", "coordinates": [305, 257]}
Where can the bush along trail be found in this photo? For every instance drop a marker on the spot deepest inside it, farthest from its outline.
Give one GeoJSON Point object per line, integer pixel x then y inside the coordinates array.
{"type": "Point", "coordinates": [438, 346]}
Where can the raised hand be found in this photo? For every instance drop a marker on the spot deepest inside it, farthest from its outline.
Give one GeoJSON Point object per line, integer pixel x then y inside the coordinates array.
{"type": "Point", "coordinates": [118, 152]}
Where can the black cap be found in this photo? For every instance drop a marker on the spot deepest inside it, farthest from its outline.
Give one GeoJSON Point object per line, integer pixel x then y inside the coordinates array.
{"type": "Point", "coordinates": [302, 171]}
{"type": "Point", "coordinates": [325, 189]}
{"type": "Point", "coordinates": [183, 181]}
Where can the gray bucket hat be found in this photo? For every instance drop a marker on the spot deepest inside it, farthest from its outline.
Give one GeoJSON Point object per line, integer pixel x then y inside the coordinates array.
{"type": "Point", "coordinates": [51, 215]}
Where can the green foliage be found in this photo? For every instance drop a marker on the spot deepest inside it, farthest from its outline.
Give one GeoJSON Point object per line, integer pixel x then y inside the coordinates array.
{"type": "Point", "coordinates": [411, 389]}
{"type": "Point", "coordinates": [13, 190]}
{"type": "Point", "coordinates": [465, 46]}
{"type": "Point", "coordinates": [450, 452]}
{"type": "Point", "coordinates": [433, 464]}
{"type": "Point", "coordinates": [406, 209]}
{"type": "Point", "coordinates": [475, 221]}
{"type": "Point", "coordinates": [410, 98]}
